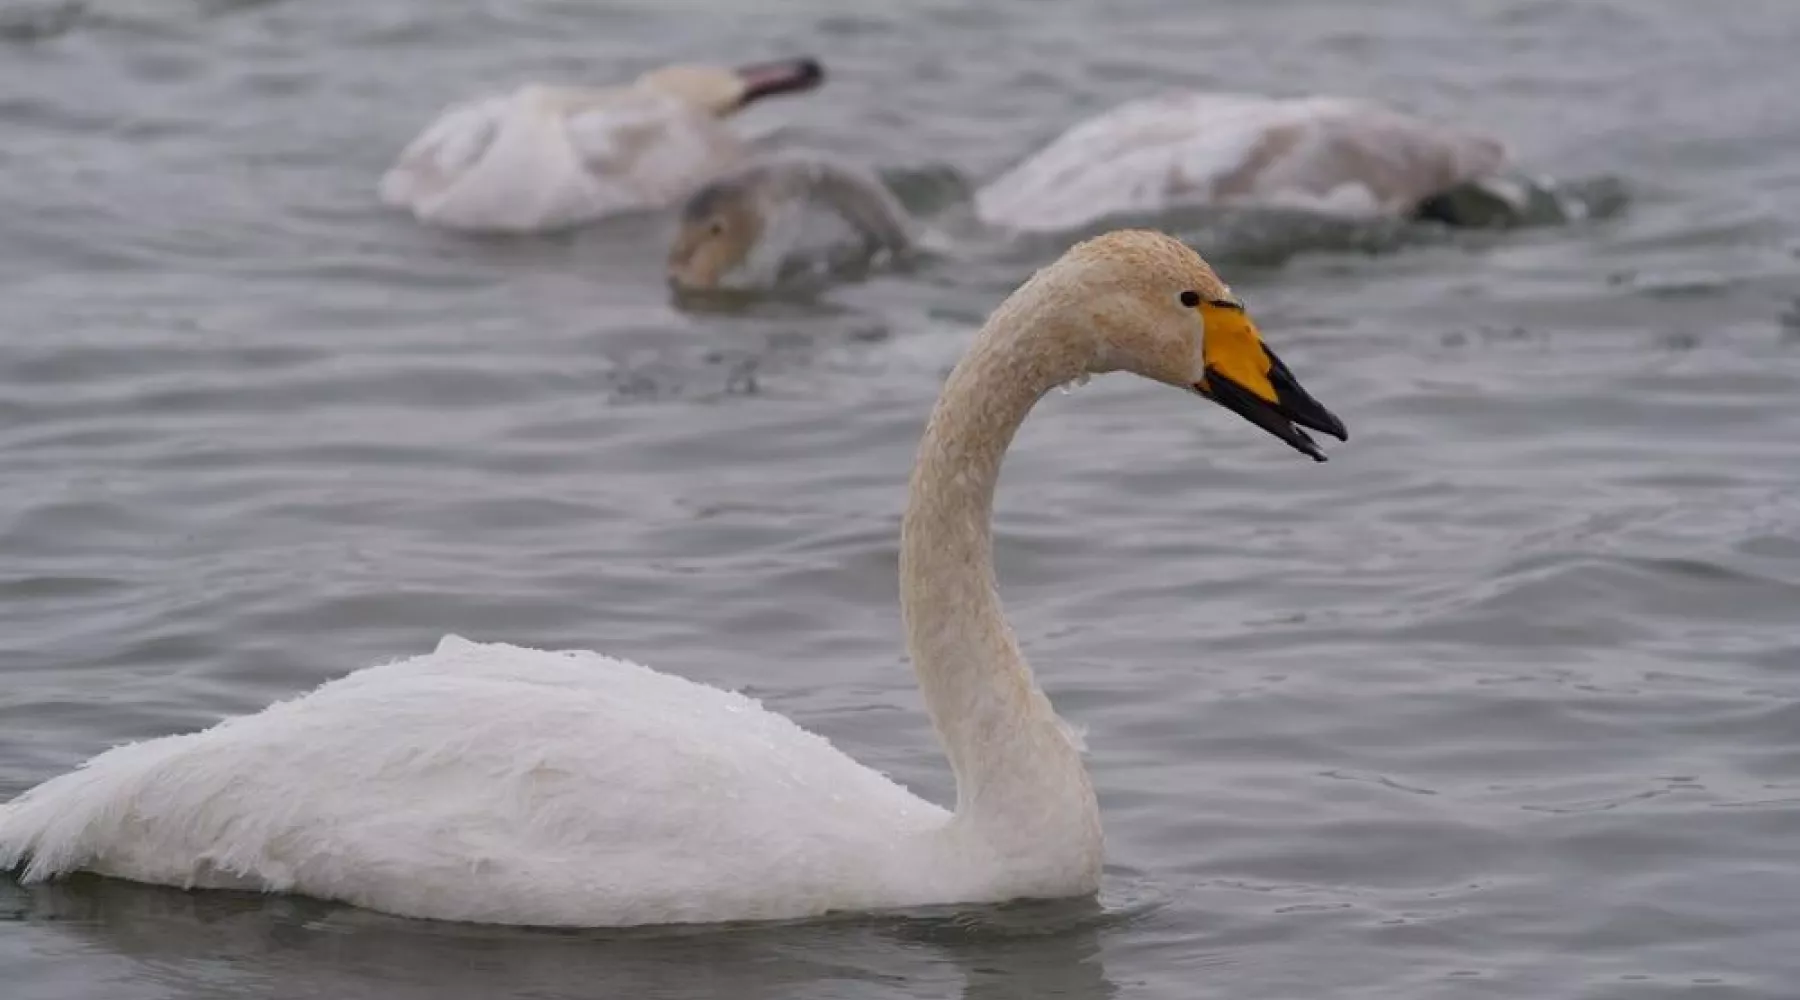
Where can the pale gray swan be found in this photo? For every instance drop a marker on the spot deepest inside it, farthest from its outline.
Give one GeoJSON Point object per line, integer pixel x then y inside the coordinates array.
{"type": "Point", "coordinates": [1335, 155]}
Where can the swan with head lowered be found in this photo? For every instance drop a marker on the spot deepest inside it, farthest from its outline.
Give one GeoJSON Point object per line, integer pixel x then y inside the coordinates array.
{"type": "Point", "coordinates": [486, 782]}
{"type": "Point", "coordinates": [749, 226]}
{"type": "Point", "coordinates": [1334, 155]}
{"type": "Point", "coordinates": [545, 157]}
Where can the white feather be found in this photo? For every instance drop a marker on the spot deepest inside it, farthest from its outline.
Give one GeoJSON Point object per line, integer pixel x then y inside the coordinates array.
{"type": "Point", "coordinates": [545, 158]}
{"type": "Point", "coordinates": [1327, 154]}
{"type": "Point", "coordinates": [499, 784]}
{"type": "Point", "coordinates": [496, 784]}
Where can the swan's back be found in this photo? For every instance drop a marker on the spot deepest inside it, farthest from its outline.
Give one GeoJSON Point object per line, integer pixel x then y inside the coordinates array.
{"type": "Point", "coordinates": [531, 787]}
{"type": "Point", "coordinates": [544, 158]}
{"type": "Point", "coordinates": [851, 191]}
{"type": "Point", "coordinates": [1329, 154]}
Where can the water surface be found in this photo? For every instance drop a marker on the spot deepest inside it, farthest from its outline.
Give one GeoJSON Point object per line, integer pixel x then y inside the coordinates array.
{"type": "Point", "coordinates": [1502, 701]}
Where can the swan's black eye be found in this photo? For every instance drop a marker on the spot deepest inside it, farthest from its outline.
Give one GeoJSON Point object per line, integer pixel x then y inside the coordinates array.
{"type": "Point", "coordinates": [1190, 299]}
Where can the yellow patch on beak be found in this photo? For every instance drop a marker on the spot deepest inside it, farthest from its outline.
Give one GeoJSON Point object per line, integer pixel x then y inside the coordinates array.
{"type": "Point", "coordinates": [1233, 348]}
{"type": "Point", "coordinates": [1244, 376]}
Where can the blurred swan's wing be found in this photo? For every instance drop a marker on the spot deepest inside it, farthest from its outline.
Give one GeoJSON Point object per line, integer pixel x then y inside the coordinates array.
{"type": "Point", "coordinates": [651, 150]}
{"type": "Point", "coordinates": [546, 158]}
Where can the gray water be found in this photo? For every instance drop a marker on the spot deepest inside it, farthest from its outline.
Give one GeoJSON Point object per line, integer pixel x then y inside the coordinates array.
{"type": "Point", "coordinates": [1504, 701]}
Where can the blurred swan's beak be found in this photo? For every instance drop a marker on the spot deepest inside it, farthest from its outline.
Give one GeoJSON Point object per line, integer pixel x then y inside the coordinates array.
{"type": "Point", "coordinates": [785, 76]}
{"type": "Point", "coordinates": [1245, 377]}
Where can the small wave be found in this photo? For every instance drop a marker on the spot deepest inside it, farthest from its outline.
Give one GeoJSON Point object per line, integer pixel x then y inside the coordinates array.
{"type": "Point", "coordinates": [1124, 898]}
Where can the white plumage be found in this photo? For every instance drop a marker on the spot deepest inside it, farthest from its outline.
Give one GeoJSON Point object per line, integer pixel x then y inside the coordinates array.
{"type": "Point", "coordinates": [492, 783]}
{"type": "Point", "coordinates": [498, 784]}
{"type": "Point", "coordinates": [1328, 154]}
{"type": "Point", "coordinates": [544, 157]}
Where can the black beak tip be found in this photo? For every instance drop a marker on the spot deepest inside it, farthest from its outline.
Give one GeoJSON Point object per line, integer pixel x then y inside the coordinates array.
{"type": "Point", "coordinates": [1304, 410]}
{"type": "Point", "coordinates": [810, 71]}
{"type": "Point", "coordinates": [1305, 445]}
{"type": "Point", "coordinates": [1285, 418]}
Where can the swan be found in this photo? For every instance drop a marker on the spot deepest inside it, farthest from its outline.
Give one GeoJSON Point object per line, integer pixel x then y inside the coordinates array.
{"type": "Point", "coordinates": [1338, 155]}
{"type": "Point", "coordinates": [748, 224]}
{"type": "Point", "coordinates": [492, 783]}
{"type": "Point", "coordinates": [546, 157]}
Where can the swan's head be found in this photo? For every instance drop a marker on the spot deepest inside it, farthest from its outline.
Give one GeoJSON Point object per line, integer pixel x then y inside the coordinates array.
{"type": "Point", "coordinates": [720, 224]}
{"type": "Point", "coordinates": [1158, 310]}
{"type": "Point", "coordinates": [722, 92]}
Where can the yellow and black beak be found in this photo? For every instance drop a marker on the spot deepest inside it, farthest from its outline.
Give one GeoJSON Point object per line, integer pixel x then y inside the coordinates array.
{"type": "Point", "coordinates": [1244, 376]}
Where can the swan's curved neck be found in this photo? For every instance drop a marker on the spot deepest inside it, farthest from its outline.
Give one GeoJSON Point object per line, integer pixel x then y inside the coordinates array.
{"type": "Point", "coordinates": [1017, 769]}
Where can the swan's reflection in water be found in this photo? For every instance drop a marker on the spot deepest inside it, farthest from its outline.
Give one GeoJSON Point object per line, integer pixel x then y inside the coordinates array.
{"type": "Point", "coordinates": [166, 944]}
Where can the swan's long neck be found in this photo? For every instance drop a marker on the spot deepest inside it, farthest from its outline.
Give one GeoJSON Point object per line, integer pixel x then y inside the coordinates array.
{"type": "Point", "coordinates": [1019, 777]}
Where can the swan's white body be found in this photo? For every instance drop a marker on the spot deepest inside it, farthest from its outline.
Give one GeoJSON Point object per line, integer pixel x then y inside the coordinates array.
{"type": "Point", "coordinates": [1327, 154]}
{"type": "Point", "coordinates": [498, 784]}
{"type": "Point", "coordinates": [503, 785]}
{"type": "Point", "coordinates": [544, 158]}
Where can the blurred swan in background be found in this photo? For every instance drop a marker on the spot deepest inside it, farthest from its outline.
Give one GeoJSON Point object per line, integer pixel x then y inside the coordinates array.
{"type": "Point", "coordinates": [546, 157]}
{"type": "Point", "coordinates": [1335, 155]}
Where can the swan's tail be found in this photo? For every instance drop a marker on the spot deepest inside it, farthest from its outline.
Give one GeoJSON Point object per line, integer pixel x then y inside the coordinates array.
{"type": "Point", "coordinates": [12, 852]}
{"type": "Point", "coordinates": [67, 823]}
{"type": "Point", "coordinates": [41, 830]}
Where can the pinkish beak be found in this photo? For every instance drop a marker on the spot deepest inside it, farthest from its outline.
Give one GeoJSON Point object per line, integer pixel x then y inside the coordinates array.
{"type": "Point", "coordinates": [784, 76]}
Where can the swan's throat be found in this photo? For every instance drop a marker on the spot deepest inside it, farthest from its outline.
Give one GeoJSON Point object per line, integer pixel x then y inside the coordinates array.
{"type": "Point", "coordinates": [1017, 769]}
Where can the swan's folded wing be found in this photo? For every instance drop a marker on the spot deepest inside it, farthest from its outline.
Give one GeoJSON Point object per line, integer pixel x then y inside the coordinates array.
{"type": "Point", "coordinates": [648, 151]}
{"type": "Point", "coordinates": [1143, 156]}
{"type": "Point", "coordinates": [441, 154]}
{"type": "Point", "coordinates": [1357, 156]}
{"type": "Point", "coordinates": [512, 164]}
{"type": "Point", "coordinates": [491, 783]}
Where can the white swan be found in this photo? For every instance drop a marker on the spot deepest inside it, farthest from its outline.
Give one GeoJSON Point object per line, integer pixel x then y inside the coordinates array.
{"type": "Point", "coordinates": [498, 784]}
{"type": "Point", "coordinates": [749, 224]}
{"type": "Point", "coordinates": [543, 158]}
{"type": "Point", "coordinates": [1328, 154]}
